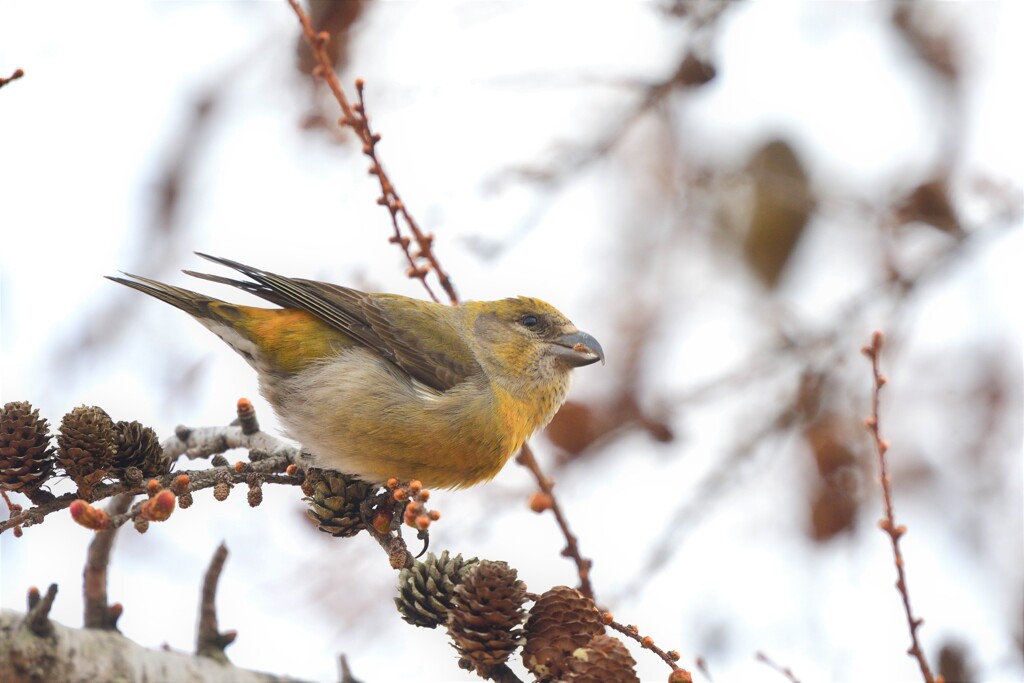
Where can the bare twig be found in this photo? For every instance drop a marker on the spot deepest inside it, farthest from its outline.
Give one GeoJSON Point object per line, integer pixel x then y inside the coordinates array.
{"type": "Point", "coordinates": [37, 619]}
{"type": "Point", "coordinates": [210, 642]}
{"type": "Point", "coordinates": [888, 524]}
{"type": "Point", "coordinates": [670, 657]}
{"type": "Point", "coordinates": [784, 670]}
{"type": "Point", "coordinates": [346, 672]}
{"type": "Point", "coordinates": [572, 550]}
{"type": "Point", "coordinates": [98, 614]}
{"type": "Point", "coordinates": [354, 117]}
{"type": "Point", "coordinates": [18, 73]}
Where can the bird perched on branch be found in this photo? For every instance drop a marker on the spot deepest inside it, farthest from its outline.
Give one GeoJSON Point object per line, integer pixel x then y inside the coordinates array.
{"type": "Point", "coordinates": [381, 385]}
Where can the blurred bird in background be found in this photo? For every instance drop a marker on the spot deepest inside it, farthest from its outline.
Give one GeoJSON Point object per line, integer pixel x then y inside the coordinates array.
{"type": "Point", "coordinates": [381, 385]}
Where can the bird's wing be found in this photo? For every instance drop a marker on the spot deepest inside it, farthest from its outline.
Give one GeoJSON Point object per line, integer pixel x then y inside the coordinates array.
{"type": "Point", "coordinates": [416, 336]}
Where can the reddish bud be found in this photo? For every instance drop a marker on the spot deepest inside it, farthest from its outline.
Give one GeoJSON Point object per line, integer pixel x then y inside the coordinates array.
{"type": "Point", "coordinates": [883, 446]}
{"type": "Point", "coordinates": [392, 483]}
{"type": "Point", "coordinates": [673, 655]}
{"type": "Point", "coordinates": [18, 532]}
{"type": "Point", "coordinates": [882, 380]}
{"type": "Point", "coordinates": [540, 501]}
{"type": "Point", "coordinates": [89, 516]}
{"type": "Point", "coordinates": [323, 37]}
{"type": "Point", "coordinates": [180, 484]}
{"type": "Point", "coordinates": [415, 486]}
{"type": "Point", "coordinates": [239, 467]}
{"type": "Point", "coordinates": [292, 470]}
{"type": "Point", "coordinates": [434, 515]}
{"type": "Point", "coordinates": [401, 495]}
{"type": "Point", "coordinates": [607, 618]}
{"type": "Point", "coordinates": [153, 486]}
{"type": "Point", "coordinates": [423, 496]}
{"type": "Point", "coordinates": [647, 642]}
{"type": "Point", "coordinates": [680, 676]}
{"type": "Point", "coordinates": [159, 507]}
{"type": "Point", "coordinates": [422, 522]}
{"type": "Point", "coordinates": [382, 523]}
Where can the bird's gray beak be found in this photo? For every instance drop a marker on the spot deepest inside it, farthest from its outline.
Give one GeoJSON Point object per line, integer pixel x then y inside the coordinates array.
{"type": "Point", "coordinates": [579, 349]}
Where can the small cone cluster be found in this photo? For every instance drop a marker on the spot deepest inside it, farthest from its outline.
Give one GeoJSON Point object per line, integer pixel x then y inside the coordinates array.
{"type": "Point", "coordinates": [561, 621]}
{"type": "Point", "coordinates": [87, 447]}
{"type": "Point", "coordinates": [138, 446]}
{"type": "Point", "coordinates": [603, 660]}
{"type": "Point", "coordinates": [26, 458]}
{"type": "Point", "coordinates": [485, 620]}
{"type": "Point", "coordinates": [334, 502]}
{"type": "Point", "coordinates": [426, 590]}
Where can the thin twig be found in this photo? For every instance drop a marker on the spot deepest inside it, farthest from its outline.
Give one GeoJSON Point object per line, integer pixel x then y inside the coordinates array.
{"type": "Point", "coordinates": [888, 524]}
{"type": "Point", "coordinates": [572, 549]}
{"type": "Point", "coordinates": [354, 117]}
{"type": "Point", "coordinates": [18, 73]}
{"type": "Point", "coordinates": [670, 657]}
{"type": "Point", "coordinates": [98, 614]}
{"type": "Point", "coordinates": [210, 642]}
{"type": "Point", "coordinates": [784, 670]}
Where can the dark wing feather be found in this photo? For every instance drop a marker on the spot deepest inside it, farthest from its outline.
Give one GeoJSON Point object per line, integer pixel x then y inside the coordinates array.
{"type": "Point", "coordinates": [434, 354]}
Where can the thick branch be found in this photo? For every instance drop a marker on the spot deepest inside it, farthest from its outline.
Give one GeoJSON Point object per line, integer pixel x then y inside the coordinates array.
{"type": "Point", "coordinates": [98, 614]}
{"type": "Point", "coordinates": [37, 619]}
{"type": "Point", "coordinates": [210, 642]}
{"type": "Point", "coordinates": [90, 655]}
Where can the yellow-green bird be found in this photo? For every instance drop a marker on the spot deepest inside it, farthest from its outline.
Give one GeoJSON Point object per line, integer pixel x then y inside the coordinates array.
{"type": "Point", "coordinates": [381, 385]}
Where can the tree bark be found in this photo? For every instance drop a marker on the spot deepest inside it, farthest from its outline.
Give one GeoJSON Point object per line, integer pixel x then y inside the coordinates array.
{"type": "Point", "coordinates": [89, 655]}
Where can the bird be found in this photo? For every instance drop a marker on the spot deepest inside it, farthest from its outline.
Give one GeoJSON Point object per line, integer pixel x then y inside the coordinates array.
{"type": "Point", "coordinates": [383, 386]}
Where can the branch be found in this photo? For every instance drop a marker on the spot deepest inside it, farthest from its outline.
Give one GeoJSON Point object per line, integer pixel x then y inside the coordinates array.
{"type": "Point", "coordinates": [888, 523]}
{"type": "Point", "coordinates": [354, 117]}
{"type": "Point", "coordinates": [94, 577]}
{"type": "Point", "coordinates": [18, 73]}
{"type": "Point", "coordinates": [210, 642]}
{"type": "Point", "coordinates": [68, 654]}
{"type": "Point", "coordinates": [548, 501]}
{"type": "Point", "coordinates": [784, 670]}
{"type": "Point", "coordinates": [268, 456]}
{"type": "Point", "coordinates": [37, 619]}
{"type": "Point", "coordinates": [670, 657]}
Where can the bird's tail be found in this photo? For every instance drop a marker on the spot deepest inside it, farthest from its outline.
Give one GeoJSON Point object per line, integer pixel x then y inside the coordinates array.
{"type": "Point", "coordinates": [197, 305]}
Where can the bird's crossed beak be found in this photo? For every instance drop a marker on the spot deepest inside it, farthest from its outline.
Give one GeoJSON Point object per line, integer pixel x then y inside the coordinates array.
{"type": "Point", "coordinates": [579, 349]}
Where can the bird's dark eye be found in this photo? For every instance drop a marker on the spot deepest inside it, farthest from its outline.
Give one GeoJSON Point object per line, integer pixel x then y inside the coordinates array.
{"type": "Point", "coordinates": [530, 320]}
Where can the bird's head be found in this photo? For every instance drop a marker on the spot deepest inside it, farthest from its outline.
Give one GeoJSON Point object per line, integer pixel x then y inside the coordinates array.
{"type": "Point", "coordinates": [529, 338]}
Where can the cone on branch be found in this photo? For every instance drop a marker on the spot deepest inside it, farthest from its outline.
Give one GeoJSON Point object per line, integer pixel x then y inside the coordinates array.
{"type": "Point", "coordinates": [485, 620]}
{"type": "Point", "coordinates": [561, 621]}
{"type": "Point", "coordinates": [138, 446]}
{"type": "Point", "coordinates": [26, 457]}
{"type": "Point", "coordinates": [334, 502]}
{"type": "Point", "coordinates": [426, 590]}
{"type": "Point", "coordinates": [87, 447]}
{"type": "Point", "coordinates": [603, 660]}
